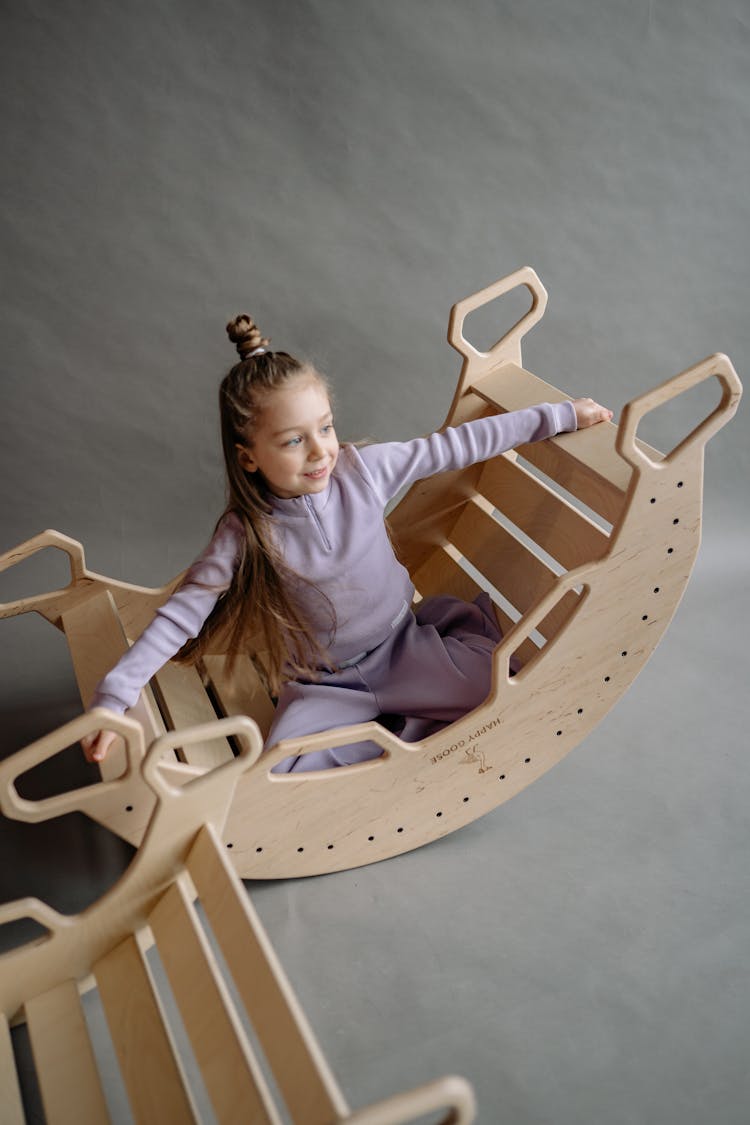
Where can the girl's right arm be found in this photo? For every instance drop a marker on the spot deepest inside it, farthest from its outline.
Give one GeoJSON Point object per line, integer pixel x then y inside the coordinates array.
{"type": "Point", "coordinates": [178, 620]}
{"type": "Point", "coordinates": [392, 465]}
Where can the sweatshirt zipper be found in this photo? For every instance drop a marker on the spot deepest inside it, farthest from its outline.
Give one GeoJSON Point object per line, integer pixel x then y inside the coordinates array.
{"type": "Point", "coordinates": [316, 519]}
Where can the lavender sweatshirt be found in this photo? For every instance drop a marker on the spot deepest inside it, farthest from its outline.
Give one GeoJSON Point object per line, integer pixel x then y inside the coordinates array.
{"type": "Point", "coordinates": [337, 540]}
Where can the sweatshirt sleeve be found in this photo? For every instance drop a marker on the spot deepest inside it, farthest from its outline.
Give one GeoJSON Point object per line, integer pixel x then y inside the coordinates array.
{"type": "Point", "coordinates": [397, 463]}
{"type": "Point", "coordinates": [178, 620]}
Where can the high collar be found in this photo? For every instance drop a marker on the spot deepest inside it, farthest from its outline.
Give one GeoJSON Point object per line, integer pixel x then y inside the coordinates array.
{"type": "Point", "coordinates": [299, 506]}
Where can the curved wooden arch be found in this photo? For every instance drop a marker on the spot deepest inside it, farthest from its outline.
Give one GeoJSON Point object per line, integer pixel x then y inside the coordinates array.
{"type": "Point", "coordinates": [585, 542]}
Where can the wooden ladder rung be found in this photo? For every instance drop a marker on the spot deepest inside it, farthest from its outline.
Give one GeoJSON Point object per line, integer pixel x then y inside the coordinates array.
{"type": "Point", "coordinates": [546, 517]}
{"type": "Point", "coordinates": [241, 694]}
{"type": "Point", "coordinates": [506, 562]}
{"type": "Point", "coordinates": [510, 566]}
{"type": "Point", "coordinates": [442, 574]}
{"type": "Point", "coordinates": [184, 703]}
{"type": "Point", "coordinates": [297, 1063]}
{"type": "Point", "coordinates": [65, 1064]}
{"type": "Point", "coordinates": [151, 1070]}
{"type": "Point", "coordinates": [97, 641]}
{"type": "Point", "coordinates": [9, 1089]}
{"type": "Point", "coordinates": [232, 1076]}
{"type": "Point", "coordinates": [586, 464]}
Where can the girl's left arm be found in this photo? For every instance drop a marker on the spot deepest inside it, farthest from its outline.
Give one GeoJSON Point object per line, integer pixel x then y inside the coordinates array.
{"type": "Point", "coordinates": [179, 619]}
{"type": "Point", "coordinates": [392, 465]}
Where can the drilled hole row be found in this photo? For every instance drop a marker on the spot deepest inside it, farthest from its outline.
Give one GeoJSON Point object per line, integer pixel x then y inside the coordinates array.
{"type": "Point", "coordinates": [502, 776]}
{"type": "Point", "coordinates": [438, 814]}
{"type": "Point", "coordinates": [644, 617]}
{"type": "Point", "coordinates": [371, 839]}
{"type": "Point", "coordinates": [675, 521]}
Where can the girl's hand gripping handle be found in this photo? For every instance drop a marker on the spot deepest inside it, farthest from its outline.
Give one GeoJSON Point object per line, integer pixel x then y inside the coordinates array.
{"type": "Point", "coordinates": [83, 799]}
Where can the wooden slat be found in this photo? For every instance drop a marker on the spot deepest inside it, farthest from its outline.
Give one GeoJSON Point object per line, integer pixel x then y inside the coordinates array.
{"type": "Point", "coordinates": [596, 492]}
{"type": "Point", "coordinates": [65, 1064]}
{"type": "Point", "coordinates": [10, 1093]}
{"type": "Point", "coordinates": [510, 566]}
{"type": "Point", "coordinates": [300, 1070]}
{"type": "Point", "coordinates": [96, 640]}
{"type": "Point", "coordinates": [442, 574]}
{"type": "Point", "coordinates": [547, 518]}
{"type": "Point", "coordinates": [243, 693]}
{"type": "Point", "coordinates": [150, 1068]}
{"type": "Point", "coordinates": [421, 519]}
{"type": "Point", "coordinates": [232, 1077]}
{"type": "Point", "coordinates": [184, 703]}
{"type": "Point", "coordinates": [585, 463]}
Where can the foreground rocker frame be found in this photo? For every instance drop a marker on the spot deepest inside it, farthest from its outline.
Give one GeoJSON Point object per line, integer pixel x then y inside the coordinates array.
{"type": "Point", "coordinates": [179, 905]}
{"type": "Point", "coordinates": [585, 542]}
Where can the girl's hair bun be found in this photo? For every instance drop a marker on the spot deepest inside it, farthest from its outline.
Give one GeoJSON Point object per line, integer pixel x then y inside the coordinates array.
{"type": "Point", "coordinates": [245, 335]}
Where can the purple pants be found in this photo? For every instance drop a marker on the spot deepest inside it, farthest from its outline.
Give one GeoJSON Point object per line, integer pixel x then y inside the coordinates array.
{"type": "Point", "coordinates": [434, 668]}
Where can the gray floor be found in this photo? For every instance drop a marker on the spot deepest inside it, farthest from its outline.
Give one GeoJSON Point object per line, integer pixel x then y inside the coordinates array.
{"type": "Point", "coordinates": [347, 171]}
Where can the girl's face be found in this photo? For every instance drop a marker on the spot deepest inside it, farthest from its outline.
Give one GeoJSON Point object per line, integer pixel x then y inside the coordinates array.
{"type": "Point", "coordinates": [294, 447]}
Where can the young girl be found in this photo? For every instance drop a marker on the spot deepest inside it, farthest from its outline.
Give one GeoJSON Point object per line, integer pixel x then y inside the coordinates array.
{"type": "Point", "coordinates": [302, 556]}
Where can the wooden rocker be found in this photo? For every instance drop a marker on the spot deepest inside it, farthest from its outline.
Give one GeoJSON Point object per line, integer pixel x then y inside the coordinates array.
{"type": "Point", "coordinates": [113, 946]}
{"type": "Point", "coordinates": [585, 543]}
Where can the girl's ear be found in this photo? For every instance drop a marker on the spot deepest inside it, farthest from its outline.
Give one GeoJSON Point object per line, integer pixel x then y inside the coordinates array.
{"type": "Point", "coordinates": [245, 459]}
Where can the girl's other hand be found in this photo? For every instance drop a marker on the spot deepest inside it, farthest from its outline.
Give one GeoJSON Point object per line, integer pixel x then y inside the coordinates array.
{"type": "Point", "coordinates": [588, 412]}
{"type": "Point", "coordinates": [96, 745]}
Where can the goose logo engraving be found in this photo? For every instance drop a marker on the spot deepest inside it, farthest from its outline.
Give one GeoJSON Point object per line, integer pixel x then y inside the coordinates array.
{"type": "Point", "coordinates": [473, 756]}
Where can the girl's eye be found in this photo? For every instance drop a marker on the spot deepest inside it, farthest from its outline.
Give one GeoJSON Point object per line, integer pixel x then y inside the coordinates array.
{"type": "Point", "coordinates": [327, 429]}
{"type": "Point", "coordinates": [294, 441]}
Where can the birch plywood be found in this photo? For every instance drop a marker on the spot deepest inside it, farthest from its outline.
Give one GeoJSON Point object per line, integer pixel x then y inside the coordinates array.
{"type": "Point", "coordinates": [151, 911]}
{"type": "Point", "coordinates": [64, 1057]}
{"type": "Point", "coordinates": [586, 565]}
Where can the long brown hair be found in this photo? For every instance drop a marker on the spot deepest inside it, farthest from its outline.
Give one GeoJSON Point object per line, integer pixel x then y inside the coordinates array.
{"type": "Point", "coordinates": [260, 599]}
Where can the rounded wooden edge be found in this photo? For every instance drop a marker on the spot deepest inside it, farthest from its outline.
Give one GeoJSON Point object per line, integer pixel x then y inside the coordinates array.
{"type": "Point", "coordinates": [524, 276]}
{"type": "Point", "coordinates": [20, 808]}
{"type": "Point", "coordinates": [719, 366]}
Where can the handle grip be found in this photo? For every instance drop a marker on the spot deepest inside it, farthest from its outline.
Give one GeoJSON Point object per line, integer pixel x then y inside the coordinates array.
{"type": "Point", "coordinates": [244, 728]}
{"type": "Point", "coordinates": [715, 365]}
{"type": "Point", "coordinates": [508, 345]}
{"type": "Point", "coordinates": [512, 640]}
{"type": "Point", "coordinates": [71, 547]}
{"type": "Point", "coordinates": [339, 736]}
{"type": "Point", "coordinates": [36, 910]}
{"type": "Point", "coordinates": [80, 800]}
{"type": "Point", "coordinates": [451, 1092]}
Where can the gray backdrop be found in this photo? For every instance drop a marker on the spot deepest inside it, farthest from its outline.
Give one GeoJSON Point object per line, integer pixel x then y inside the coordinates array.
{"type": "Point", "coordinates": [345, 172]}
